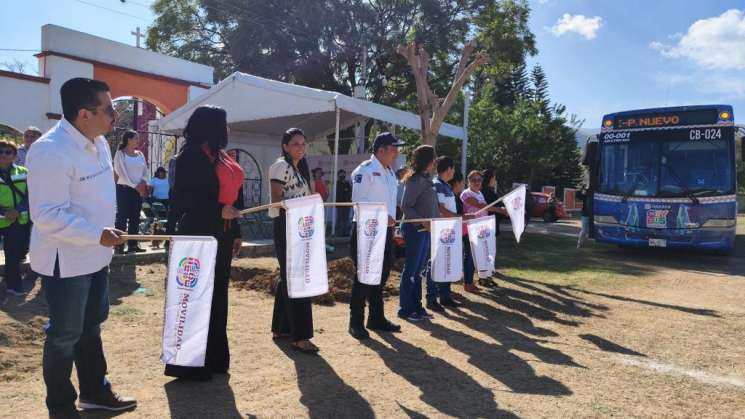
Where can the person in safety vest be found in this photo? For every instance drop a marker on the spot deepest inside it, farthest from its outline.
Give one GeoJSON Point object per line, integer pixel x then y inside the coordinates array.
{"type": "Point", "coordinates": [15, 228]}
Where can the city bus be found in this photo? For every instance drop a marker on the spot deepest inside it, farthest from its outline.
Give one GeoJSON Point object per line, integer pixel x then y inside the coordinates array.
{"type": "Point", "coordinates": [665, 177]}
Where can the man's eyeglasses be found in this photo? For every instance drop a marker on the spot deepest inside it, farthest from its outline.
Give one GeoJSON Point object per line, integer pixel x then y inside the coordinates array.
{"type": "Point", "coordinates": [476, 179]}
{"type": "Point", "coordinates": [7, 152]}
{"type": "Point", "coordinates": [109, 110]}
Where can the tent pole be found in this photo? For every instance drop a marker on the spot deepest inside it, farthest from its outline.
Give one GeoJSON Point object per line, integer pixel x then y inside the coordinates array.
{"type": "Point", "coordinates": [336, 170]}
{"type": "Point", "coordinates": [464, 149]}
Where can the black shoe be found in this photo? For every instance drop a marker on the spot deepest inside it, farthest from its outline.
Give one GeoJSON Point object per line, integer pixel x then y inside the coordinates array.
{"type": "Point", "coordinates": [435, 306]}
{"type": "Point", "coordinates": [450, 303]}
{"type": "Point", "coordinates": [384, 326]}
{"type": "Point", "coordinates": [118, 250]}
{"type": "Point", "coordinates": [136, 249]}
{"type": "Point", "coordinates": [487, 282]}
{"type": "Point", "coordinates": [358, 332]}
{"type": "Point", "coordinates": [108, 401]}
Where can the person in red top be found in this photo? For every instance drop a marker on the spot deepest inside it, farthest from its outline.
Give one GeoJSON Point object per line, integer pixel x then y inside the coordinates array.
{"type": "Point", "coordinates": [205, 193]}
{"type": "Point", "coordinates": [319, 185]}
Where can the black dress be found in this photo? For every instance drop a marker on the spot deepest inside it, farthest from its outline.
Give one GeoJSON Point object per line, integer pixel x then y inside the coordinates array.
{"type": "Point", "coordinates": [195, 198]}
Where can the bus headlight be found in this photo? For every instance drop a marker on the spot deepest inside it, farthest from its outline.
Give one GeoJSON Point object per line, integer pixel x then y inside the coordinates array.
{"type": "Point", "coordinates": [605, 219]}
{"type": "Point", "coordinates": [719, 222]}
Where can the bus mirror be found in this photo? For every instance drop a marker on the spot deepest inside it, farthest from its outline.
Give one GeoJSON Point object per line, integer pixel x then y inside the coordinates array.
{"type": "Point", "coordinates": [591, 154]}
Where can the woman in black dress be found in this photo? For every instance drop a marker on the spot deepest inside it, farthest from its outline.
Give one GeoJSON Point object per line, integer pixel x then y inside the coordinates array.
{"type": "Point", "coordinates": [289, 178]}
{"type": "Point", "coordinates": [205, 194]}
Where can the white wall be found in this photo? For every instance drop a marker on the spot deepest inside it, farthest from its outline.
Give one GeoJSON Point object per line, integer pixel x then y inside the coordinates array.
{"type": "Point", "coordinates": [61, 70]}
{"type": "Point", "coordinates": [67, 41]}
{"type": "Point", "coordinates": [26, 103]}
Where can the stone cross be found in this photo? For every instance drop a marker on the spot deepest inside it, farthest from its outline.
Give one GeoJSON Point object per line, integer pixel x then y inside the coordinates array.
{"type": "Point", "coordinates": [138, 35]}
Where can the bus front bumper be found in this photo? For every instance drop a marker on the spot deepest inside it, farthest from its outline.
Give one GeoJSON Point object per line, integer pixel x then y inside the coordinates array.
{"type": "Point", "coordinates": [699, 238]}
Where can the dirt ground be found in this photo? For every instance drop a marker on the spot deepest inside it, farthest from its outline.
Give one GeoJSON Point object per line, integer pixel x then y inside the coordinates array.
{"type": "Point", "coordinates": [597, 332]}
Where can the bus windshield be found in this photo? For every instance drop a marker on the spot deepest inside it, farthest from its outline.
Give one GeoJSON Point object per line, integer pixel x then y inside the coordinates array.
{"type": "Point", "coordinates": [675, 166]}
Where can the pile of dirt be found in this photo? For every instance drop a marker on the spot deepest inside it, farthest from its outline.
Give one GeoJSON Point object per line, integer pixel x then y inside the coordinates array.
{"type": "Point", "coordinates": [248, 276]}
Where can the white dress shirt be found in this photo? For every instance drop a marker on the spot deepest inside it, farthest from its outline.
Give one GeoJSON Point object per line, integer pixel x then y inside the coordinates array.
{"type": "Point", "coordinates": [72, 199]}
{"type": "Point", "coordinates": [372, 182]}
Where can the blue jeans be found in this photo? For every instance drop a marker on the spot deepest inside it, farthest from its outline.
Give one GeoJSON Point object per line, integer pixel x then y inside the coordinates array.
{"type": "Point", "coordinates": [77, 307]}
{"type": "Point", "coordinates": [468, 267]}
{"type": "Point", "coordinates": [417, 253]}
{"type": "Point", "coordinates": [435, 289]}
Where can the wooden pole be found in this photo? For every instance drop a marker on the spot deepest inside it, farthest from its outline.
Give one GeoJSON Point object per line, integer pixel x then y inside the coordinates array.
{"type": "Point", "coordinates": [147, 237]}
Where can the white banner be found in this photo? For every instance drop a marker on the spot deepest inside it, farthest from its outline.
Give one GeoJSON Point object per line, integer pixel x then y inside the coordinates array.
{"type": "Point", "coordinates": [446, 241]}
{"type": "Point", "coordinates": [307, 274]}
{"type": "Point", "coordinates": [514, 202]}
{"type": "Point", "coordinates": [372, 229]}
{"type": "Point", "coordinates": [482, 236]}
{"type": "Point", "coordinates": [191, 275]}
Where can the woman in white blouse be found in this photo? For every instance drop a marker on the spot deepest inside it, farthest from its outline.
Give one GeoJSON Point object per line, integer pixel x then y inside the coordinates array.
{"type": "Point", "coordinates": [290, 178]}
{"type": "Point", "coordinates": [130, 168]}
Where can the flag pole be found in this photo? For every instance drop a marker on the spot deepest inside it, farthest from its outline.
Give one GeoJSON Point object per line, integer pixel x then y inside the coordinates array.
{"type": "Point", "coordinates": [146, 237]}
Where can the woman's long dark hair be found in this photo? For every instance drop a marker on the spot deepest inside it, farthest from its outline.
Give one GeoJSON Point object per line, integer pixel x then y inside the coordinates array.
{"type": "Point", "coordinates": [208, 125]}
{"type": "Point", "coordinates": [422, 157]}
{"type": "Point", "coordinates": [302, 165]}
{"type": "Point", "coordinates": [128, 135]}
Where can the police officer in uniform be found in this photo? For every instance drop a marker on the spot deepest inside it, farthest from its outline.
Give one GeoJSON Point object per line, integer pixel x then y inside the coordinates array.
{"type": "Point", "coordinates": [374, 181]}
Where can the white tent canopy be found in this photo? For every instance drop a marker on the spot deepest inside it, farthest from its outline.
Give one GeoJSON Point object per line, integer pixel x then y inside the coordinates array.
{"type": "Point", "coordinates": [260, 105]}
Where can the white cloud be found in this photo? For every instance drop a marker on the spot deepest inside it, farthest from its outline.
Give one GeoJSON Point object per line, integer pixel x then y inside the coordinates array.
{"type": "Point", "coordinates": [713, 43]}
{"type": "Point", "coordinates": [579, 24]}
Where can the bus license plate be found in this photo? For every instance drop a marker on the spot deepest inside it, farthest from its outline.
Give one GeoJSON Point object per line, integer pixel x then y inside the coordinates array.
{"type": "Point", "coordinates": [657, 243]}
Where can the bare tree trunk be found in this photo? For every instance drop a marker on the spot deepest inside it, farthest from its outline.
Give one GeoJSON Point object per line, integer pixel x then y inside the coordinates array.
{"type": "Point", "coordinates": [432, 109]}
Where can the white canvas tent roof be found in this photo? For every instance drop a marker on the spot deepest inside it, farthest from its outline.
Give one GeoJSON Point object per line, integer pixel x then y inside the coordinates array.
{"type": "Point", "coordinates": [259, 105]}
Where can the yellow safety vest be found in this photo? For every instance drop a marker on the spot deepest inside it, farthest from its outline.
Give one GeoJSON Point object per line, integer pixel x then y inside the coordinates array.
{"type": "Point", "coordinates": [9, 199]}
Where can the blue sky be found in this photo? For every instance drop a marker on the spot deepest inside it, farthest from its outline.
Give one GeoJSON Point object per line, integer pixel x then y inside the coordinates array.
{"type": "Point", "coordinates": [601, 56]}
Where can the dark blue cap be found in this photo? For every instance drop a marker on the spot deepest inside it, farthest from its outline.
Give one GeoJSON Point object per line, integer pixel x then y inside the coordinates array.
{"type": "Point", "coordinates": [384, 139]}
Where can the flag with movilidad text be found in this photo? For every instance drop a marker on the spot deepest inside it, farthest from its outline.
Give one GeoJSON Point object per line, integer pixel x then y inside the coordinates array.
{"type": "Point", "coordinates": [482, 238]}
{"type": "Point", "coordinates": [446, 241]}
{"type": "Point", "coordinates": [307, 273]}
{"type": "Point", "coordinates": [191, 276]}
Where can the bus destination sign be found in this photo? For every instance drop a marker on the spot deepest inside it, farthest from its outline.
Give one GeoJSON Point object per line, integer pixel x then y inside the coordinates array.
{"type": "Point", "coordinates": [698, 117]}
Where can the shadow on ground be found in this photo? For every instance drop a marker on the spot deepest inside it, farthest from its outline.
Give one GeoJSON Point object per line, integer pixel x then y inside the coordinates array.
{"type": "Point", "coordinates": [194, 399]}
{"type": "Point", "coordinates": [122, 283]}
{"type": "Point", "coordinates": [444, 387]}
{"type": "Point", "coordinates": [323, 392]}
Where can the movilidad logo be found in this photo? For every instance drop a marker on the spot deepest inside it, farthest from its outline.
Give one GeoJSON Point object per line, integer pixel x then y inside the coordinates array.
{"type": "Point", "coordinates": [483, 232]}
{"type": "Point", "coordinates": [447, 236]}
{"type": "Point", "coordinates": [371, 227]}
{"type": "Point", "coordinates": [188, 272]}
{"type": "Point", "coordinates": [517, 203]}
{"type": "Point", "coordinates": [305, 227]}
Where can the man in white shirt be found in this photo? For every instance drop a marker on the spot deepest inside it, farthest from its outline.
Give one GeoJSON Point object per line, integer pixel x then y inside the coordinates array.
{"type": "Point", "coordinates": [29, 137]}
{"type": "Point", "coordinates": [72, 203]}
{"type": "Point", "coordinates": [374, 181]}
{"type": "Point", "coordinates": [447, 208]}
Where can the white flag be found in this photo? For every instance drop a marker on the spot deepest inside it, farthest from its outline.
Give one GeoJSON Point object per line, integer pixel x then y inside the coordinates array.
{"type": "Point", "coordinates": [372, 229]}
{"type": "Point", "coordinates": [514, 202]}
{"type": "Point", "coordinates": [191, 276]}
{"type": "Point", "coordinates": [483, 240]}
{"type": "Point", "coordinates": [447, 249]}
{"type": "Point", "coordinates": [307, 274]}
